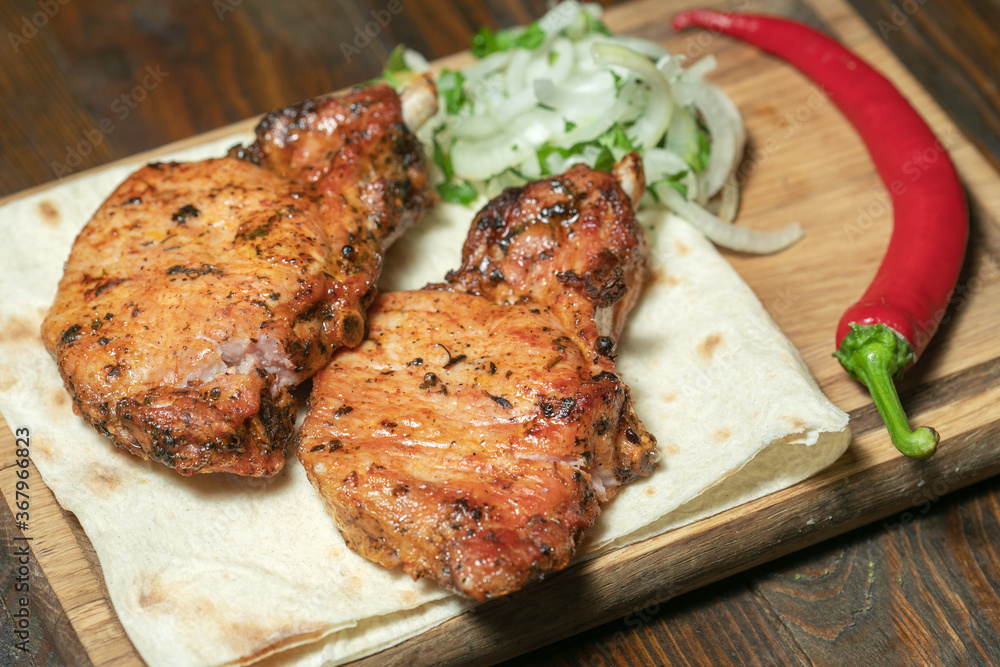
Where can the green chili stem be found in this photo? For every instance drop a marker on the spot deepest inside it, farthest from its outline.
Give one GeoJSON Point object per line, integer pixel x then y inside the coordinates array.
{"type": "Point", "coordinates": [874, 354]}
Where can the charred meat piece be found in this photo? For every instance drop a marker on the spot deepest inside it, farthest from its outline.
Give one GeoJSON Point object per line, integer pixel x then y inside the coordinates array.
{"type": "Point", "coordinates": [200, 294]}
{"type": "Point", "coordinates": [474, 435]}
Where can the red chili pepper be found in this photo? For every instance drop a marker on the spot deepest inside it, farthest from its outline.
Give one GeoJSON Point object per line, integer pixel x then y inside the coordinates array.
{"type": "Point", "coordinates": [881, 335]}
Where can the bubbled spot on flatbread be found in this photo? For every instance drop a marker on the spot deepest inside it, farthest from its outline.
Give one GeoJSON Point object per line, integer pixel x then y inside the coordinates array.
{"type": "Point", "coordinates": [49, 213]}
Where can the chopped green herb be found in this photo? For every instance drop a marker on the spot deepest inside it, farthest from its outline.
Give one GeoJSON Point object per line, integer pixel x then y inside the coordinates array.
{"type": "Point", "coordinates": [457, 193]}
{"type": "Point", "coordinates": [395, 65]}
{"type": "Point", "coordinates": [532, 37]}
{"type": "Point", "coordinates": [487, 41]}
{"type": "Point", "coordinates": [704, 151]}
{"type": "Point", "coordinates": [615, 137]}
{"type": "Point", "coordinates": [619, 82]}
{"type": "Point", "coordinates": [443, 160]}
{"type": "Point", "coordinates": [605, 160]}
{"type": "Point", "coordinates": [673, 181]}
{"type": "Point", "coordinates": [610, 145]}
{"type": "Point", "coordinates": [595, 25]}
{"type": "Point", "coordinates": [449, 85]}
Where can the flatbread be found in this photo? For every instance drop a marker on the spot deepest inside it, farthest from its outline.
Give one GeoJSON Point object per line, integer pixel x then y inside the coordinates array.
{"type": "Point", "coordinates": [216, 570]}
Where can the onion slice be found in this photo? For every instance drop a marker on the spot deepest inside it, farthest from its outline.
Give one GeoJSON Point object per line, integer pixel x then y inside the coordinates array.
{"type": "Point", "coordinates": [728, 235]}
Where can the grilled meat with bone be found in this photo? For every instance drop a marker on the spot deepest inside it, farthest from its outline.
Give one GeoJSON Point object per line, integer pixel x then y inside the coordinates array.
{"type": "Point", "coordinates": [475, 433]}
{"type": "Point", "coordinates": [200, 294]}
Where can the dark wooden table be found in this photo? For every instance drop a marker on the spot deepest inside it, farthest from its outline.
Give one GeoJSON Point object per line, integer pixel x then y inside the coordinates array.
{"type": "Point", "coordinates": [85, 83]}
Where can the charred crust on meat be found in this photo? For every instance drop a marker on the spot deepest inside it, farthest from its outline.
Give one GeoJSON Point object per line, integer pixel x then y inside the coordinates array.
{"type": "Point", "coordinates": [495, 215]}
{"type": "Point", "coordinates": [252, 153]}
{"type": "Point", "coordinates": [605, 347]}
{"type": "Point", "coordinates": [603, 286]}
{"type": "Point", "coordinates": [566, 406]}
{"type": "Point", "coordinates": [563, 212]}
{"type": "Point", "coordinates": [70, 335]}
{"type": "Point", "coordinates": [561, 409]}
{"type": "Point", "coordinates": [184, 213]}
{"type": "Point", "coordinates": [343, 410]}
{"type": "Point", "coordinates": [417, 361]}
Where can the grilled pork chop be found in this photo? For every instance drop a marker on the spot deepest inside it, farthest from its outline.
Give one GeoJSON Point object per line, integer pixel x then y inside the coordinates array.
{"type": "Point", "coordinates": [200, 294]}
{"type": "Point", "coordinates": [475, 433]}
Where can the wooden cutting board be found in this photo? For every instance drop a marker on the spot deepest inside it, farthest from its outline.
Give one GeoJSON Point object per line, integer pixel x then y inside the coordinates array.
{"type": "Point", "coordinates": [804, 163]}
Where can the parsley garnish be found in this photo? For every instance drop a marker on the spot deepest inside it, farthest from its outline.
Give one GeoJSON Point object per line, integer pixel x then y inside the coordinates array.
{"type": "Point", "coordinates": [457, 193]}
{"type": "Point", "coordinates": [395, 65]}
{"type": "Point", "coordinates": [487, 41]}
{"type": "Point", "coordinates": [449, 85]}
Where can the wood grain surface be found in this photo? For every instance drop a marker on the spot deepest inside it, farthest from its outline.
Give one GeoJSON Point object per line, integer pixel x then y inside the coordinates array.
{"type": "Point", "coordinates": [919, 584]}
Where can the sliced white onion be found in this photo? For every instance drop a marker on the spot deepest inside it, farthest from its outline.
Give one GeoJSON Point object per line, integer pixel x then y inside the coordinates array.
{"type": "Point", "coordinates": [514, 78]}
{"type": "Point", "coordinates": [682, 135]}
{"type": "Point", "coordinates": [728, 235]}
{"type": "Point", "coordinates": [725, 126]}
{"type": "Point", "coordinates": [491, 63]}
{"type": "Point", "coordinates": [482, 126]}
{"type": "Point", "coordinates": [554, 64]}
{"type": "Point", "coordinates": [561, 17]}
{"type": "Point", "coordinates": [729, 201]}
{"type": "Point", "coordinates": [415, 60]}
{"type": "Point", "coordinates": [479, 160]}
{"type": "Point", "coordinates": [701, 67]}
{"type": "Point", "coordinates": [651, 50]}
{"type": "Point", "coordinates": [598, 89]}
{"type": "Point", "coordinates": [649, 128]}
{"type": "Point", "coordinates": [659, 163]}
{"type": "Point", "coordinates": [515, 105]}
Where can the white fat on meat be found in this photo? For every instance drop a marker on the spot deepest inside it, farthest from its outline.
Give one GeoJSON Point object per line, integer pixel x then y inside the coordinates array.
{"type": "Point", "coordinates": [241, 356]}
